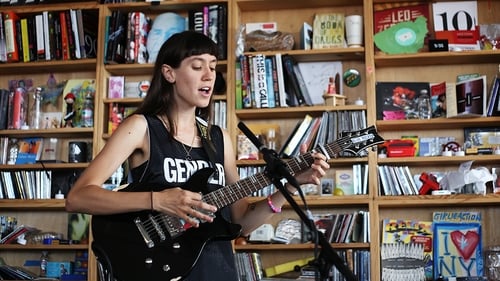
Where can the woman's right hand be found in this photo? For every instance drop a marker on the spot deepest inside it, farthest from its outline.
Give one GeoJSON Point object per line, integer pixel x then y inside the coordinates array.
{"type": "Point", "coordinates": [184, 204]}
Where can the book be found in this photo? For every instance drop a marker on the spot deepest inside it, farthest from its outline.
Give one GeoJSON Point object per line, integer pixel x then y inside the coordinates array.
{"type": "Point", "coordinates": [11, 43]}
{"type": "Point", "coordinates": [259, 80]}
{"type": "Point", "coordinates": [398, 100]}
{"type": "Point", "coordinates": [388, 15]}
{"type": "Point", "coordinates": [3, 48]}
{"type": "Point", "coordinates": [306, 32]}
{"type": "Point", "coordinates": [438, 99]}
{"type": "Point", "coordinates": [328, 31]}
{"type": "Point", "coordinates": [65, 34]}
{"type": "Point", "coordinates": [116, 85]}
{"type": "Point", "coordinates": [493, 107]}
{"type": "Point", "coordinates": [30, 150]}
{"type": "Point", "coordinates": [316, 77]}
{"type": "Point", "coordinates": [457, 22]}
{"type": "Point", "coordinates": [400, 236]}
{"type": "Point", "coordinates": [39, 38]}
{"type": "Point", "coordinates": [294, 139]}
{"type": "Point", "coordinates": [457, 244]}
{"type": "Point", "coordinates": [344, 181]}
{"type": "Point", "coordinates": [90, 27]}
{"type": "Point", "coordinates": [4, 103]}
{"type": "Point", "coordinates": [302, 85]}
{"type": "Point", "coordinates": [292, 86]}
{"type": "Point", "coordinates": [495, 171]}
{"type": "Point", "coordinates": [470, 97]}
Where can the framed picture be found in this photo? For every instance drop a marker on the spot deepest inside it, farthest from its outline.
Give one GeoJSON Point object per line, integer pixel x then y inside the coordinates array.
{"type": "Point", "coordinates": [481, 140]}
{"type": "Point", "coordinates": [327, 185]}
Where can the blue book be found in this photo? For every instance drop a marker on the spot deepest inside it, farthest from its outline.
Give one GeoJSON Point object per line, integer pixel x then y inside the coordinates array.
{"type": "Point", "coordinates": [271, 97]}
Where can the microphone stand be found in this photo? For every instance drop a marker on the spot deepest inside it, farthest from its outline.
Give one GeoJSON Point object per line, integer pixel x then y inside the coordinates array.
{"type": "Point", "coordinates": [275, 170]}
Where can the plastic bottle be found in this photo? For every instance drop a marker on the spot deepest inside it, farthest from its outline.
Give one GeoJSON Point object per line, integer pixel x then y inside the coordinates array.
{"type": "Point", "coordinates": [44, 259]}
{"type": "Point", "coordinates": [88, 112]}
{"type": "Point", "coordinates": [424, 105]}
{"type": "Point", "coordinates": [36, 111]}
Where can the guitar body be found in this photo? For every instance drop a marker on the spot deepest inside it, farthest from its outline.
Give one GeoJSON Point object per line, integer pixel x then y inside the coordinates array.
{"type": "Point", "coordinates": [169, 259]}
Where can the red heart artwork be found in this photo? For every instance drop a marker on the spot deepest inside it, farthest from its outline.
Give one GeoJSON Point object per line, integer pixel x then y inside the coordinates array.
{"type": "Point", "coordinates": [466, 244]}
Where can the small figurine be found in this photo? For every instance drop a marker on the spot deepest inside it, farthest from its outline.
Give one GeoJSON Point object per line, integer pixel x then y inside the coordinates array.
{"type": "Point", "coordinates": [70, 112]}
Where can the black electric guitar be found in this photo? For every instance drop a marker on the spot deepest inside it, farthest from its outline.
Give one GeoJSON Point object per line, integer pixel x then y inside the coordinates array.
{"type": "Point", "coordinates": [154, 246]}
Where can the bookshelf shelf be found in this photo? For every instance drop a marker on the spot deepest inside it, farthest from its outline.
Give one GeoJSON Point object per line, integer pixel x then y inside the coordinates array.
{"type": "Point", "coordinates": [44, 166]}
{"type": "Point", "coordinates": [293, 247]}
{"type": "Point", "coordinates": [57, 133]}
{"type": "Point", "coordinates": [317, 201]}
{"type": "Point", "coordinates": [439, 160]}
{"type": "Point", "coordinates": [341, 161]}
{"type": "Point", "coordinates": [454, 200]}
{"type": "Point", "coordinates": [291, 112]}
{"type": "Point", "coordinates": [427, 58]}
{"type": "Point", "coordinates": [40, 247]}
{"type": "Point", "coordinates": [144, 69]}
{"type": "Point", "coordinates": [38, 67]}
{"type": "Point", "coordinates": [436, 124]}
{"type": "Point", "coordinates": [339, 54]}
{"type": "Point", "coordinates": [32, 205]}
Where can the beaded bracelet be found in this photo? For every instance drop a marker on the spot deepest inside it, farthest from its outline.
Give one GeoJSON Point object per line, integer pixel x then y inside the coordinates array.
{"type": "Point", "coordinates": [271, 205]}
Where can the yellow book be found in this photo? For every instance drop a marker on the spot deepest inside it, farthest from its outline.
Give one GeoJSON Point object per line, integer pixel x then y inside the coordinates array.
{"type": "Point", "coordinates": [328, 31]}
{"type": "Point", "coordinates": [25, 40]}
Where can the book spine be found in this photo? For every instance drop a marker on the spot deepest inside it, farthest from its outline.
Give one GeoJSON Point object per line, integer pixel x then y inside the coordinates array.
{"type": "Point", "coordinates": [270, 82]}
{"type": "Point", "coordinates": [222, 31]}
{"type": "Point", "coordinates": [3, 50]}
{"type": "Point", "coordinates": [40, 44]}
{"type": "Point", "coordinates": [74, 33]}
{"type": "Point", "coordinates": [260, 83]}
{"type": "Point", "coordinates": [245, 83]}
{"type": "Point", "coordinates": [70, 34]}
{"type": "Point", "coordinates": [205, 20]}
{"type": "Point", "coordinates": [81, 34]}
{"type": "Point", "coordinates": [130, 54]}
{"type": "Point", "coordinates": [195, 20]}
{"type": "Point", "coordinates": [238, 85]}
{"type": "Point", "coordinates": [46, 35]}
{"type": "Point", "coordinates": [302, 85]}
{"type": "Point", "coordinates": [288, 63]}
{"type": "Point", "coordinates": [58, 47]}
{"type": "Point", "coordinates": [25, 40]}
{"type": "Point", "coordinates": [64, 36]}
{"type": "Point", "coordinates": [213, 11]}
{"type": "Point", "coordinates": [281, 80]}
{"type": "Point", "coordinates": [11, 47]}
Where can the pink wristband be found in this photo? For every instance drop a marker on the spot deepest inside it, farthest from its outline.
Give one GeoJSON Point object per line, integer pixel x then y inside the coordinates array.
{"type": "Point", "coordinates": [271, 205]}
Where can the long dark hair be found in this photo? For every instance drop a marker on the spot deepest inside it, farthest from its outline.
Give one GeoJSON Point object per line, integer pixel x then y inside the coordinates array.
{"type": "Point", "coordinates": [159, 98]}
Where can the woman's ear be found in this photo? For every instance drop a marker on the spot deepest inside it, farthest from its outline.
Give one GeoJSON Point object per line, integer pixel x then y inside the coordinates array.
{"type": "Point", "coordinates": [168, 73]}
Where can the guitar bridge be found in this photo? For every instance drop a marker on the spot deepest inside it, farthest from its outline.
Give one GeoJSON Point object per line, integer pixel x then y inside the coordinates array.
{"type": "Point", "coordinates": [147, 239]}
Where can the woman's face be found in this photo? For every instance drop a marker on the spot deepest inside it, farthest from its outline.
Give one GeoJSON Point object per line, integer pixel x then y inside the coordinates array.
{"type": "Point", "coordinates": [193, 80]}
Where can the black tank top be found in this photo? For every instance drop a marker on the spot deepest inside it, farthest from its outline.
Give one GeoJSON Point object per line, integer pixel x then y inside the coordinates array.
{"type": "Point", "coordinates": [167, 165]}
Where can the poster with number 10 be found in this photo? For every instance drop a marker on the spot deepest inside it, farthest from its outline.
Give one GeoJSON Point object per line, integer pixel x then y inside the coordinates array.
{"type": "Point", "coordinates": [457, 22]}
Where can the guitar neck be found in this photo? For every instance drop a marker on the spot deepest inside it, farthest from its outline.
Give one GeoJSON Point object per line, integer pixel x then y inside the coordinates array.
{"type": "Point", "coordinates": [351, 141]}
{"type": "Point", "coordinates": [245, 187]}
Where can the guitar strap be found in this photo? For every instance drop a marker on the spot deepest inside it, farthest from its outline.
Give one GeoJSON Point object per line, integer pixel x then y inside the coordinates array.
{"type": "Point", "coordinates": [206, 140]}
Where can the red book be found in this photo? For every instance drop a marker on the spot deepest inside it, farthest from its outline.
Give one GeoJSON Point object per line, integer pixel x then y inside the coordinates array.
{"type": "Point", "coordinates": [64, 36]}
{"type": "Point", "coordinates": [10, 36]}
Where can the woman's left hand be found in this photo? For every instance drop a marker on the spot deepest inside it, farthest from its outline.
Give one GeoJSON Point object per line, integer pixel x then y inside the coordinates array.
{"type": "Point", "coordinates": [317, 170]}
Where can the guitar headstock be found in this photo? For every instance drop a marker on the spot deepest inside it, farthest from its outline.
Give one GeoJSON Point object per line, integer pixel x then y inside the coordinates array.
{"type": "Point", "coordinates": [356, 141]}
